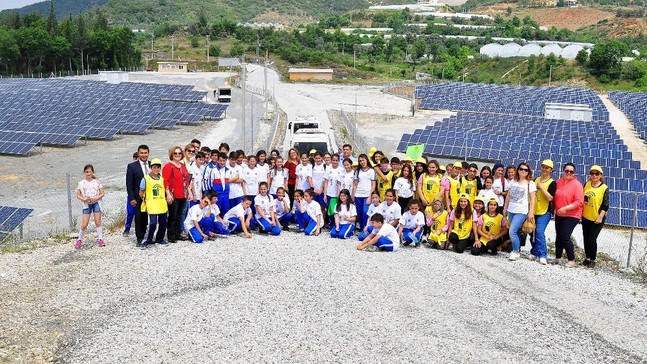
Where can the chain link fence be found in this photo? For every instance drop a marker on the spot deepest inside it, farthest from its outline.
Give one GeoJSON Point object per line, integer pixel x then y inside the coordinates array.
{"type": "Point", "coordinates": [352, 132]}
{"type": "Point", "coordinates": [68, 73]}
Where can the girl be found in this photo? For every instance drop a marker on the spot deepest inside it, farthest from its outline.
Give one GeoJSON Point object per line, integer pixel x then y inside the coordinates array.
{"type": "Point", "coordinates": [312, 216]}
{"type": "Point", "coordinates": [491, 228]}
{"type": "Point", "coordinates": [265, 215]}
{"type": "Point", "coordinates": [429, 186]}
{"type": "Point", "coordinates": [596, 205]}
{"type": "Point", "coordinates": [546, 187]}
{"type": "Point", "coordinates": [411, 224]}
{"type": "Point", "coordinates": [420, 168]}
{"type": "Point", "coordinates": [519, 201]}
{"type": "Point", "coordinates": [297, 217]}
{"type": "Point", "coordinates": [485, 172]}
{"type": "Point", "coordinates": [304, 173]}
{"type": "Point", "coordinates": [404, 187]}
{"type": "Point", "coordinates": [327, 158]}
{"type": "Point", "coordinates": [372, 209]}
{"type": "Point", "coordinates": [459, 225]}
{"type": "Point", "coordinates": [363, 186]}
{"type": "Point", "coordinates": [282, 208]}
{"type": "Point", "coordinates": [345, 216]}
{"type": "Point", "coordinates": [318, 179]}
{"type": "Point", "coordinates": [498, 186]}
{"type": "Point", "coordinates": [252, 176]}
{"type": "Point", "coordinates": [176, 183]}
{"type": "Point", "coordinates": [487, 192]}
{"type": "Point", "coordinates": [390, 209]}
{"type": "Point", "coordinates": [348, 176]}
{"type": "Point", "coordinates": [479, 209]}
{"type": "Point", "coordinates": [331, 187]}
{"type": "Point", "coordinates": [90, 192]}
{"type": "Point", "coordinates": [437, 219]}
{"type": "Point", "coordinates": [263, 166]}
{"type": "Point", "coordinates": [278, 177]}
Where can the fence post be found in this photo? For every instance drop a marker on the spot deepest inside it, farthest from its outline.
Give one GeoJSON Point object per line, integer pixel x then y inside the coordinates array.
{"type": "Point", "coordinates": [69, 201]}
{"type": "Point", "coordinates": [633, 226]}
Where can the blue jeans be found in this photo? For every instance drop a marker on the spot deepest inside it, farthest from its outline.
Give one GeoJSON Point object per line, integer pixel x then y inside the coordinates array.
{"type": "Point", "coordinates": [516, 220]}
{"type": "Point", "coordinates": [91, 209]}
{"type": "Point", "coordinates": [539, 240]}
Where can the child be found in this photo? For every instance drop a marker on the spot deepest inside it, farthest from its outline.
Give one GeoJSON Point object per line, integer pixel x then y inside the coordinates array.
{"type": "Point", "coordinates": [372, 209]}
{"type": "Point", "coordinates": [311, 210]}
{"type": "Point", "coordinates": [235, 180]}
{"type": "Point", "coordinates": [395, 168]}
{"type": "Point", "coordinates": [365, 182]}
{"type": "Point", "coordinates": [219, 178]}
{"type": "Point", "coordinates": [389, 209]}
{"type": "Point", "coordinates": [282, 208]}
{"type": "Point", "coordinates": [411, 224]}
{"type": "Point", "coordinates": [252, 176]}
{"type": "Point", "coordinates": [90, 192]}
{"type": "Point", "coordinates": [459, 224]}
{"type": "Point", "coordinates": [345, 216]}
{"type": "Point", "coordinates": [318, 180]}
{"type": "Point", "coordinates": [382, 237]}
{"type": "Point", "coordinates": [348, 176]}
{"type": "Point", "coordinates": [198, 223]}
{"type": "Point", "coordinates": [487, 193]}
{"type": "Point", "coordinates": [239, 218]}
{"type": "Point", "coordinates": [304, 173]}
{"type": "Point", "coordinates": [479, 209]}
{"type": "Point", "coordinates": [278, 177]}
{"type": "Point", "coordinates": [404, 187]}
{"type": "Point", "coordinates": [331, 187]}
{"type": "Point", "coordinates": [155, 203]}
{"type": "Point", "coordinates": [384, 184]}
{"type": "Point", "coordinates": [265, 215]}
{"type": "Point", "coordinates": [218, 224]}
{"type": "Point", "coordinates": [130, 209]}
{"type": "Point", "coordinates": [437, 219]}
{"type": "Point", "coordinates": [491, 228]}
{"type": "Point", "coordinates": [197, 171]}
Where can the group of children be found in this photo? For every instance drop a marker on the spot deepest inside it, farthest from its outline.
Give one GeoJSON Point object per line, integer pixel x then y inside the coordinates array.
{"type": "Point", "coordinates": [388, 202]}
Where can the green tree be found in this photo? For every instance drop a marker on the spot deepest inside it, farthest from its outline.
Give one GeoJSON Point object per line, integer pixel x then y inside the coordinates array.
{"type": "Point", "coordinates": [419, 49]}
{"type": "Point", "coordinates": [237, 50]}
{"type": "Point", "coordinates": [582, 57]}
{"type": "Point", "coordinates": [606, 57]}
{"type": "Point", "coordinates": [214, 51]}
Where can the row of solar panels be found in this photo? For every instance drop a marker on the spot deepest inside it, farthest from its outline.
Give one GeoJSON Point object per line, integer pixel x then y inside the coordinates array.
{"type": "Point", "coordinates": [10, 219]}
{"type": "Point", "coordinates": [634, 104]}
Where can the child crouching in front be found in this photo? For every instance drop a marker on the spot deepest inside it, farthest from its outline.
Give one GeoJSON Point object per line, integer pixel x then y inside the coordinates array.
{"type": "Point", "coordinates": [491, 228]}
{"type": "Point", "coordinates": [436, 220]}
{"type": "Point", "coordinates": [372, 209]}
{"type": "Point", "coordinates": [345, 216]}
{"type": "Point", "coordinates": [411, 224]}
{"type": "Point", "coordinates": [198, 223]}
{"type": "Point", "coordinates": [382, 237]}
{"type": "Point", "coordinates": [219, 226]}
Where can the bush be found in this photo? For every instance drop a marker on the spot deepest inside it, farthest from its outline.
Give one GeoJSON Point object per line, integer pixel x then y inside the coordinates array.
{"type": "Point", "coordinates": [195, 41]}
{"type": "Point", "coordinates": [214, 50]}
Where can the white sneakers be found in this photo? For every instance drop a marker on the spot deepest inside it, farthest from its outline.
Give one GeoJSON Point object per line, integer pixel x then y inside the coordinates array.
{"type": "Point", "coordinates": [543, 261]}
{"type": "Point", "coordinates": [514, 256]}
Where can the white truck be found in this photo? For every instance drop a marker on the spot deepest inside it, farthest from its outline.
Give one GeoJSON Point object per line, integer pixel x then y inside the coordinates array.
{"type": "Point", "coordinates": [223, 94]}
{"type": "Point", "coordinates": [306, 135]}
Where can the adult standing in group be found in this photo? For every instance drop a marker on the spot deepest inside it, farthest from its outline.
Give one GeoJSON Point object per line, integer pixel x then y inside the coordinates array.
{"type": "Point", "coordinates": [176, 181]}
{"type": "Point", "coordinates": [546, 187]}
{"type": "Point", "coordinates": [291, 165]}
{"type": "Point", "coordinates": [568, 200]}
{"type": "Point", "coordinates": [134, 174]}
{"type": "Point", "coordinates": [596, 205]}
{"type": "Point", "coordinates": [519, 205]}
{"type": "Point", "coordinates": [347, 153]}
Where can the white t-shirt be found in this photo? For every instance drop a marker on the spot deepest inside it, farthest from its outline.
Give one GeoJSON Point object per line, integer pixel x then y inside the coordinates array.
{"type": "Point", "coordinates": [518, 203]}
{"type": "Point", "coordinates": [372, 209]}
{"type": "Point", "coordinates": [498, 186]}
{"type": "Point", "coordinates": [488, 194]}
{"type": "Point", "coordinates": [195, 213]}
{"type": "Point", "coordinates": [409, 221]}
{"type": "Point", "coordinates": [252, 178]}
{"type": "Point", "coordinates": [280, 208]}
{"type": "Point", "coordinates": [318, 176]}
{"type": "Point", "coordinates": [389, 232]}
{"type": "Point", "coordinates": [90, 189]}
{"type": "Point", "coordinates": [404, 188]}
{"type": "Point", "coordinates": [264, 203]}
{"type": "Point", "coordinates": [364, 179]}
{"type": "Point", "coordinates": [333, 176]}
{"type": "Point", "coordinates": [303, 172]}
{"type": "Point", "coordinates": [313, 209]}
{"type": "Point", "coordinates": [264, 171]}
{"type": "Point", "coordinates": [347, 180]}
{"type": "Point", "coordinates": [237, 211]}
{"type": "Point", "coordinates": [236, 188]}
{"type": "Point", "coordinates": [278, 177]}
{"type": "Point", "coordinates": [198, 183]}
{"type": "Point", "coordinates": [345, 213]}
{"type": "Point", "coordinates": [390, 213]}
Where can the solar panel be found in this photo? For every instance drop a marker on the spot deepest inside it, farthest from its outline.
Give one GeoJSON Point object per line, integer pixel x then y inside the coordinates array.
{"type": "Point", "coordinates": [11, 218]}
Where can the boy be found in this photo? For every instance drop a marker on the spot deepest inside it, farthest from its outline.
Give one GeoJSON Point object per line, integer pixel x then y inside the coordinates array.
{"type": "Point", "coordinates": [386, 183]}
{"type": "Point", "coordinates": [372, 209]}
{"type": "Point", "coordinates": [130, 209]}
{"type": "Point", "coordinates": [198, 221]}
{"type": "Point", "coordinates": [197, 170]}
{"type": "Point", "coordinates": [235, 180]}
{"type": "Point", "coordinates": [219, 225]}
{"type": "Point", "coordinates": [219, 177]}
{"type": "Point", "coordinates": [239, 218]}
{"type": "Point", "coordinates": [396, 167]}
{"type": "Point", "coordinates": [383, 237]}
{"type": "Point", "coordinates": [151, 191]}
{"type": "Point", "coordinates": [206, 176]}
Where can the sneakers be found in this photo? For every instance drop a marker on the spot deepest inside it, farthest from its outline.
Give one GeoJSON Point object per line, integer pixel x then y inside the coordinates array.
{"type": "Point", "coordinates": [417, 245]}
{"type": "Point", "coordinates": [372, 248]}
{"type": "Point", "coordinates": [126, 233]}
{"type": "Point", "coordinates": [543, 261]}
{"type": "Point", "coordinates": [144, 245]}
{"type": "Point", "coordinates": [78, 244]}
{"type": "Point", "coordinates": [514, 256]}
{"type": "Point", "coordinates": [533, 257]}
{"type": "Point", "coordinates": [592, 264]}
{"type": "Point", "coordinates": [585, 262]}
{"type": "Point", "coordinates": [162, 243]}
{"type": "Point", "coordinates": [102, 243]}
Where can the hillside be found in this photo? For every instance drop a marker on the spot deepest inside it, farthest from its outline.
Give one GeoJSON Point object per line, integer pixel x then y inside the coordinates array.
{"type": "Point", "coordinates": [62, 8]}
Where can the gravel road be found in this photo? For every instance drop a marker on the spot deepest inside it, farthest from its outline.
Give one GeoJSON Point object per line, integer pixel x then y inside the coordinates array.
{"type": "Point", "coordinates": [309, 299]}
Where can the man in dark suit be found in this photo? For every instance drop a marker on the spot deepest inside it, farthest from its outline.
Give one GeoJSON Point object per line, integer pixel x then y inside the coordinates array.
{"type": "Point", "coordinates": [134, 174]}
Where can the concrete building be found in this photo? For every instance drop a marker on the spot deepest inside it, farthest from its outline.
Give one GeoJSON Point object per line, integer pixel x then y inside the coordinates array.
{"type": "Point", "coordinates": [304, 74]}
{"type": "Point", "coordinates": [173, 67]}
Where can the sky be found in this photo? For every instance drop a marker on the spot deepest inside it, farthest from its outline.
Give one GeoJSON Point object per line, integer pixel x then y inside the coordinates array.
{"type": "Point", "coordinates": [12, 4]}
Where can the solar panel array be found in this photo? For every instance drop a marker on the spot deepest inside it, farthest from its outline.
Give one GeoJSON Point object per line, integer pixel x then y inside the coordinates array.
{"type": "Point", "coordinates": [634, 104]}
{"type": "Point", "coordinates": [11, 218]}
{"type": "Point", "coordinates": [60, 112]}
{"type": "Point", "coordinates": [534, 139]}
{"type": "Point", "coordinates": [505, 99]}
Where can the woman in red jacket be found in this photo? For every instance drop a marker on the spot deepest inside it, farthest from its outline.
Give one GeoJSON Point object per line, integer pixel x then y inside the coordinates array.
{"type": "Point", "coordinates": [568, 202]}
{"type": "Point", "coordinates": [291, 165]}
{"type": "Point", "coordinates": [176, 181]}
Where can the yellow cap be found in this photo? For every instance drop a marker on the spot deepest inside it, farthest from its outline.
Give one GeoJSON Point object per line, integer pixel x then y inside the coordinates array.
{"type": "Point", "coordinates": [372, 151]}
{"type": "Point", "coordinates": [548, 163]}
{"type": "Point", "coordinates": [355, 164]}
{"type": "Point", "coordinates": [312, 151]}
{"type": "Point", "coordinates": [421, 160]}
{"type": "Point", "coordinates": [596, 168]}
{"type": "Point", "coordinates": [408, 159]}
{"type": "Point", "coordinates": [155, 161]}
{"type": "Point", "coordinates": [442, 168]}
{"type": "Point", "coordinates": [479, 198]}
{"type": "Point", "coordinates": [492, 199]}
{"type": "Point", "coordinates": [464, 195]}
{"type": "Point", "coordinates": [458, 164]}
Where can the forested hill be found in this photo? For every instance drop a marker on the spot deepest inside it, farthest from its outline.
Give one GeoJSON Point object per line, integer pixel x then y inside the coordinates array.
{"type": "Point", "coordinates": [62, 8]}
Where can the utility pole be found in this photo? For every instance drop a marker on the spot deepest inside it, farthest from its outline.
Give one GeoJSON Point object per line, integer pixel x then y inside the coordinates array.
{"type": "Point", "coordinates": [207, 48]}
{"type": "Point", "coordinates": [550, 75]}
{"type": "Point", "coordinates": [258, 45]}
{"type": "Point", "coordinates": [354, 64]}
{"type": "Point", "coordinates": [173, 47]}
{"type": "Point", "coordinates": [265, 82]}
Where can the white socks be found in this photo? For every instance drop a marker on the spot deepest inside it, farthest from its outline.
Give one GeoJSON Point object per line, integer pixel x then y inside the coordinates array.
{"type": "Point", "coordinates": [81, 232]}
{"type": "Point", "coordinates": [100, 233]}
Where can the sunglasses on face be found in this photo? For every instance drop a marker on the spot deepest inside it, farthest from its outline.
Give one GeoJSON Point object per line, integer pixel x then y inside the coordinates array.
{"type": "Point", "coordinates": [191, 151]}
{"type": "Point", "coordinates": [524, 169]}
{"type": "Point", "coordinates": [177, 153]}
{"type": "Point", "coordinates": [595, 173]}
{"type": "Point", "coordinates": [569, 171]}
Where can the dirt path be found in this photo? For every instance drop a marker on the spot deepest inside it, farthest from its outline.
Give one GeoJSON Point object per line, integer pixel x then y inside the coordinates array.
{"type": "Point", "coordinates": [626, 131]}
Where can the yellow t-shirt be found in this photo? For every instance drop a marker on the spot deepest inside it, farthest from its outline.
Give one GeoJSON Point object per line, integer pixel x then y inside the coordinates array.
{"type": "Point", "coordinates": [470, 188]}
{"type": "Point", "coordinates": [541, 204]}
{"type": "Point", "coordinates": [491, 225]}
{"type": "Point", "coordinates": [454, 190]}
{"type": "Point", "coordinates": [463, 226]}
{"type": "Point", "coordinates": [155, 198]}
{"type": "Point", "coordinates": [382, 185]}
{"type": "Point", "coordinates": [593, 197]}
{"type": "Point", "coordinates": [436, 225]}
